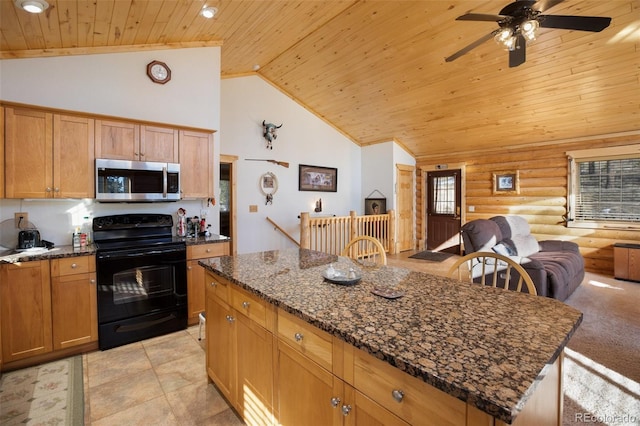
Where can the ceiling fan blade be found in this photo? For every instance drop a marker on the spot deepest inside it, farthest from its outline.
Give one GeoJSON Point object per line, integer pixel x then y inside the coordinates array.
{"type": "Point", "coordinates": [542, 5]}
{"type": "Point", "coordinates": [480, 17]}
{"type": "Point", "coordinates": [580, 23]}
{"type": "Point", "coordinates": [518, 55]}
{"type": "Point", "coordinates": [470, 47]}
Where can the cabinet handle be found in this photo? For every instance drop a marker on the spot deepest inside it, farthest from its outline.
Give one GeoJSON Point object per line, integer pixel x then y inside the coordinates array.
{"type": "Point", "coordinates": [335, 401]}
{"type": "Point", "coordinates": [189, 267]}
{"type": "Point", "coordinates": [56, 189]}
{"type": "Point", "coordinates": [74, 266]}
{"type": "Point", "coordinates": [92, 281]}
{"type": "Point", "coordinates": [48, 189]}
{"type": "Point", "coordinates": [397, 394]}
{"type": "Point", "coordinates": [230, 318]}
{"type": "Point", "coordinates": [208, 250]}
{"type": "Point", "coordinates": [245, 305]}
{"type": "Point", "coordinates": [213, 283]}
{"type": "Point", "coordinates": [346, 409]}
{"type": "Point", "coordinates": [298, 337]}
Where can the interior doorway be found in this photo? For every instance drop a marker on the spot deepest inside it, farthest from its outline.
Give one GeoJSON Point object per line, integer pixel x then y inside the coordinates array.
{"type": "Point", "coordinates": [227, 199]}
{"type": "Point", "coordinates": [405, 199]}
{"type": "Point", "coordinates": [444, 195]}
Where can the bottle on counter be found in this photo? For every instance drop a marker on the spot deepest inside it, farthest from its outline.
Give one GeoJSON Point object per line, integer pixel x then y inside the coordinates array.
{"type": "Point", "coordinates": [76, 238]}
{"type": "Point", "coordinates": [86, 231]}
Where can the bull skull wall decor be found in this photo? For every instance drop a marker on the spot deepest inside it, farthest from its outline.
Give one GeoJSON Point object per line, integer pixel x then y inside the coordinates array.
{"type": "Point", "coordinates": [269, 133]}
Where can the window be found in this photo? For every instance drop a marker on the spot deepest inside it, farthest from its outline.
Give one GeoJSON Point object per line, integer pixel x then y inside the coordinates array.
{"type": "Point", "coordinates": [604, 187]}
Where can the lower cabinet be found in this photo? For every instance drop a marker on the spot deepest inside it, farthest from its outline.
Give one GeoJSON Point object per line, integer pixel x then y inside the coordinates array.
{"type": "Point", "coordinates": [74, 301]}
{"type": "Point", "coordinates": [47, 305]}
{"type": "Point", "coordinates": [240, 350]}
{"type": "Point", "coordinates": [196, 276]}
{"type": "Point", "coordinates": [25, 305]}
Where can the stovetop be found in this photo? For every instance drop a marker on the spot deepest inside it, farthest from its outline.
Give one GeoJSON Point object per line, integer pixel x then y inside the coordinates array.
{"type": "Point", "coordinates": [132, 230]}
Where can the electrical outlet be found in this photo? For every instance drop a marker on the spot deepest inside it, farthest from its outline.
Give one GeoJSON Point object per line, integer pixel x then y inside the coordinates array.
{"type": "Point", "coordinates": [21, 215]}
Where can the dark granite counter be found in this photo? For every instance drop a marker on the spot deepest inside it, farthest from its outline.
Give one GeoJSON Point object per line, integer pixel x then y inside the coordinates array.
{"type": "Point", "coordinates": [485, 346]}
{"type": "Point", "coordinates": [14, 256]}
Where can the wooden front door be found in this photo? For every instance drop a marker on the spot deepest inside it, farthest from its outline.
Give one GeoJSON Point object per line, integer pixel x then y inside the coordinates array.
{"type": "Point", "coordinates": [444, 196]}
{"type": "Point", "coordinates": [405, 213]}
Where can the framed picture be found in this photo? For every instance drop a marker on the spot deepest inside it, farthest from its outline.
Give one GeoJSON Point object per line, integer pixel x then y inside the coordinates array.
{"type": "Point", "coordinates": [316, 178]}
{"type": "Point", "coordinates": [506, 182]}
{"type": "Point", "coordinates": [375, 205]}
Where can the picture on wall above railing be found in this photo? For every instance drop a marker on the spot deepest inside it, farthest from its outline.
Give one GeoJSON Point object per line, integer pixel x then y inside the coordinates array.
{"type": "Point", "coordinates": [316, 178]}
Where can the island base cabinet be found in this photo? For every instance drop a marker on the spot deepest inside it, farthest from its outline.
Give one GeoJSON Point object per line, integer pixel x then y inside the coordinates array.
{"type": "Point", "coordinates": [220, 348]}
{"type": "Point", "coordinates": [25, 306]}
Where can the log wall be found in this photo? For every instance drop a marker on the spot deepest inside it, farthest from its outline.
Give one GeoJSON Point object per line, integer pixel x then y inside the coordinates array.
{"type": "Point", "coordinates": [542, 198]}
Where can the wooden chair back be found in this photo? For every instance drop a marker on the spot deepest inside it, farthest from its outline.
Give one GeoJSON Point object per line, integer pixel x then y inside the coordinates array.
{"type": "Point", "coordinates": [366, 250]}
{"type": "Point", "coordinates": [492, 269]}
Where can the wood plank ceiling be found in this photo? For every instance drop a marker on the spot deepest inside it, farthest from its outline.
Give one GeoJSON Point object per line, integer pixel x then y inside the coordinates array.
{"type": "Point", "coordinates": [375, 70]}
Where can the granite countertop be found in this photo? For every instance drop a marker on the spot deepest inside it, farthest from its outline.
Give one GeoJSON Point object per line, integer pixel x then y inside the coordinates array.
{"type": "Point", "coordinates": [13, 256]}
{"type": "Point", "coordinates": [482, 345]}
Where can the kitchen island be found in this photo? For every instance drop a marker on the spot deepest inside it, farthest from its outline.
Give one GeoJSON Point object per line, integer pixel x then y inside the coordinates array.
{"type": "Point", "coordinates": [493, 354]}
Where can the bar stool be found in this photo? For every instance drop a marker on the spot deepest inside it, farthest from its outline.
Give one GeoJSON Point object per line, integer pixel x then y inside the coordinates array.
{"type": "Point", "coordinates": [202, 320]}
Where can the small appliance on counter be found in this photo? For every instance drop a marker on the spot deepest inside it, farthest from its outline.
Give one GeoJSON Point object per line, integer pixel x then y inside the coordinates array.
{"type": "Point", "coordinates": [28, 238]}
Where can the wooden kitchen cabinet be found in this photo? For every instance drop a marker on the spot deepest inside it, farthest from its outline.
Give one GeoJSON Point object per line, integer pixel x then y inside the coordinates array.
{"type": "Point", "coordinates": [196, 276]}
{"type": "Point", "coordinates": [118, 140]}
{"type": "Point", "coordinates": [25, 306]}
{"type": "Point", "coordinates": [48, 155]}
{"type": "Point", "coordinates": [74, 301]}
{"type": "Point", "coordinates": [196, 164]}
{"type": "Point", "coordinates": [240, 349]}
{"type": "Point", "coordinates": [1, 164]}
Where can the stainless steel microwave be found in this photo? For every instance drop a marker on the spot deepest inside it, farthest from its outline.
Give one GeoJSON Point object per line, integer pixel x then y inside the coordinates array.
{"type": "Point", "coordinates": [136, 181]}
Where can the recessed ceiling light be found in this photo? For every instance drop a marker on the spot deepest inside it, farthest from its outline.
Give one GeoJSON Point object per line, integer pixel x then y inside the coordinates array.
{"type": "Point", "coordinates": [32, 6]}
{"type": "Point", "coordinates": [256, 67]}
{"type": "Point", "coordinates": [209, 12]}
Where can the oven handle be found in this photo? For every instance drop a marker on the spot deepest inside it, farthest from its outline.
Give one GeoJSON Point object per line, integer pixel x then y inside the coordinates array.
{"type": "Point", "coordinates": [130, 254]}
{"type": "Point", "coordinates": [146, 324]}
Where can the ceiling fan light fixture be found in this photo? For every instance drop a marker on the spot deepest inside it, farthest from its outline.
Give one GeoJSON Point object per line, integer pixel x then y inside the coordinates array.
{"type": "Point", "coordinates": [506, 38]}
{"type": "Point", "coordinates": [209, 12]}
{"type": "Point", "coordinates": [32, 6]}
{"type": "Point", "coordinates": [529, 29]}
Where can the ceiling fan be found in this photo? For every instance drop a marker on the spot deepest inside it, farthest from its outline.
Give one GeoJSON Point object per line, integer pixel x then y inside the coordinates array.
{"type": "Point", "coordinates": [518, 23]}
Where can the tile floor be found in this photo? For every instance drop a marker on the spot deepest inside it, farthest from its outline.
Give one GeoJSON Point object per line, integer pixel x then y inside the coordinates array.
{"type": "Point", "coordinates": [160, 381]}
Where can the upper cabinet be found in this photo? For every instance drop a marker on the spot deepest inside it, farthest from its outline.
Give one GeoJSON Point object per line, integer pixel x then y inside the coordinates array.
{"type": "Point", "coordinates": [136, 142]}
{"type": "Point", "coordinates": [196, 164]}
{"type": "Point", "coordinates": [48, 155]}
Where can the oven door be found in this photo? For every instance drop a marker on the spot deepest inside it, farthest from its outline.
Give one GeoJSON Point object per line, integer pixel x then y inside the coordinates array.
{"type": "Point", "coordinates": [142, 292]}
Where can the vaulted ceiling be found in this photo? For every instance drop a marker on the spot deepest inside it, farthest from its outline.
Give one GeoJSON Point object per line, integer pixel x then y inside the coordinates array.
{"type": "Point", "coordinates": [375, 70]}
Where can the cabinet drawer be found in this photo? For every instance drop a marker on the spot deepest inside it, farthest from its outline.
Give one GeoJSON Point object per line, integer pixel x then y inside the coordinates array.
{"type": "Point", "coordinates": [73, 265]}
{"type": "Point", "coordinates": [250, 306]}
{"type": "Point", "coordinates": [218, 286]}
{"type": "Point", "coordinates": [411, 399]}
{"type": "Point", "coordinates": [204, 251]}
{"type": "Point", "coordinates": [305, 338]}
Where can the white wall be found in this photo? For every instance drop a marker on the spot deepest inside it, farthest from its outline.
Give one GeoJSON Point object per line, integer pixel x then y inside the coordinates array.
{"type": "Point", "coordinates": [303, 139]}
{"type": "Point", "coordinates": [114, 84]}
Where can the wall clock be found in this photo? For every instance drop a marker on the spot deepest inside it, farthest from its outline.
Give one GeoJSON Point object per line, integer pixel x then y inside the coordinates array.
{"type": "Point", "coordinates": [158, 72]}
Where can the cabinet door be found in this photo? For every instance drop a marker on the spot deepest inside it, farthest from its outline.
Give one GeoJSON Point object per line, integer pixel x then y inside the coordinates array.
{"type": "Point", "coordinates": [306, 391]}
{"type": "Point", "coordinates": [25, 305]}
{"type": "Point", "coordinates": [28, 151]}
{"type": "Point", "coordinates": [117, 140]}
{"type": "Point", "coordinates": [74, 310]}
{"type": "Point", "coordinates": [196, 164]}
{"type": "Point", "coordinates": [1, 165]}
{"type": "Point", "coordinates": [158, 144]}
{"type": "Point", "coordinates": [73, 157]}
{"type": "Point", "coordinates": [195, 290]}
{"type": "Point", "coordinates": [634, 264]}
{"type": "Point", "coordinates": [254, 400]}
{"type": "Point", "coordinates": [363, 411]}
{"type": "Point", "coordinates": [220, 331]}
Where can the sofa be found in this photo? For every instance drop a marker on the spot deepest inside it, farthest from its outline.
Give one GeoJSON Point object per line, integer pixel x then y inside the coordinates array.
{"type": "Point", "coordinates": [556, 267]}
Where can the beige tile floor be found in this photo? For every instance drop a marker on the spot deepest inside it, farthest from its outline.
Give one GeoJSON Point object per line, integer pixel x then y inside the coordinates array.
{"type": "Point", "coordinates": [160, 381]}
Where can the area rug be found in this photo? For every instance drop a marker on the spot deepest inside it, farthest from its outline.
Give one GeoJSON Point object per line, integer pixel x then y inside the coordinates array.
{"type": "Point", "coordinates": [47, 394]}
{"type": "Point", "coordinates": [434, 256]}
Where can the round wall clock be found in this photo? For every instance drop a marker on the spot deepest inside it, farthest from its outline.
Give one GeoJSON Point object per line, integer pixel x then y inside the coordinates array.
{"type": "Point", "coordinates": [158, 72]}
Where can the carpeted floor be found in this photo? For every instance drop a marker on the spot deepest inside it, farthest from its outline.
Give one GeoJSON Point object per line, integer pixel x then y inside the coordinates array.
{"type": "Point", "coordinates": [602, 362]}
{"type": "Point", "coordinates": [50, 394]}
{"type": "Point", "coordinates": [434, 256]}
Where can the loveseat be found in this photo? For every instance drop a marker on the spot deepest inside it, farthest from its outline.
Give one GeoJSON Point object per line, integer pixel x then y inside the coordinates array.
{"type": "Point", "coordinates": [556, 267]}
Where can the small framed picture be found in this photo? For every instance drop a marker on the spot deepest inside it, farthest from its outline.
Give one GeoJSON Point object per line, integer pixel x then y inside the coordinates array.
{"type": "Point", "coordinates": [507, 182]}
{"type": "Point", "coordinates": [375, 206]}
{"type": "Point", "coordinates": [316, 178]}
